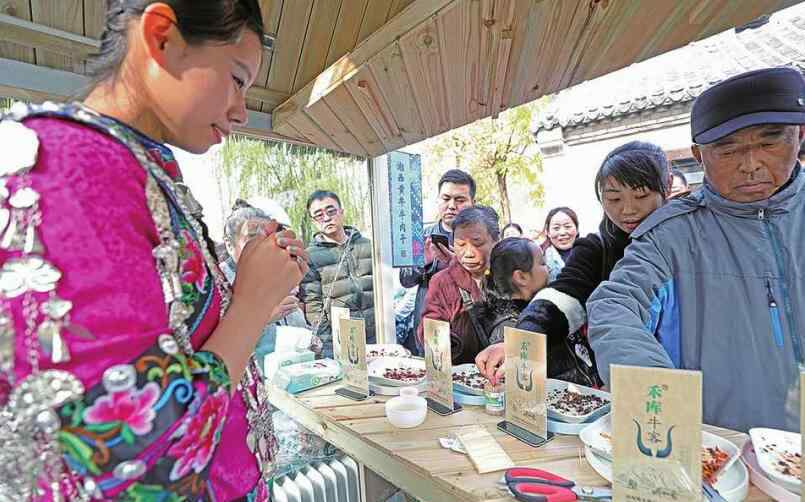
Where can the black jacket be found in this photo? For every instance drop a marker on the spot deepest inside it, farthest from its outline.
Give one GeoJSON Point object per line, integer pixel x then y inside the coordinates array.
{"type": "Point", "coordinates": [559, 311]}
{"type": "Point", "coordinates": [420, 276]}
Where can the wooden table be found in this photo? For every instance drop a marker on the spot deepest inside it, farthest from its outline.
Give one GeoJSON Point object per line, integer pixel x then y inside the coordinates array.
{"type": "Point", "coordinates": [413, 460]}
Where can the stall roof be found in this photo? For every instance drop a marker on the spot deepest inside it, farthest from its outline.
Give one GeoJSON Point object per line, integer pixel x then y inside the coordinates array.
{"type": "Point", "coordinates": [370, 76]}
{"type": "Point", "coordinates": [679, 76]}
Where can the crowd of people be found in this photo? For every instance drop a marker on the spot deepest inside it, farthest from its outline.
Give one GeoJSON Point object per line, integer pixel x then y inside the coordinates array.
{"type": "Point", "coordinates": [127, 354]}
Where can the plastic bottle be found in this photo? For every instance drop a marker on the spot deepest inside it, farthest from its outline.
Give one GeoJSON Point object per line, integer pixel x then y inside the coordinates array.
{"type": "Point", "coordinates": [494, 399]}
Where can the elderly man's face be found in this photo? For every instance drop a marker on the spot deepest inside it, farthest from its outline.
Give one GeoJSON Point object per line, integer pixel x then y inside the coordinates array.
{"type": "Point", "coordinates": [751, 164]}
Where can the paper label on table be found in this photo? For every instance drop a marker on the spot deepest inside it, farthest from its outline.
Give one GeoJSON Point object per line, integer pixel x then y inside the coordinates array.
{"type": "Point", "coordinates": [353, 354]}
{"type": "Point", "coordinates": [336, 314]}
{"type": "Point", "coordinates": [526, 369]}
{"type": "Point", "coordinates": [439, 362]}
{"type": "Point", "coordinates": [485, 452]}
{"type": "Point", "coordinates": [656, 434]}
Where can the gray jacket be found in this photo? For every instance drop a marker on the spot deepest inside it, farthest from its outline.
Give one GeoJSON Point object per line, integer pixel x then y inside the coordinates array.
{"type": "Point", "coordinates": [718, 286]}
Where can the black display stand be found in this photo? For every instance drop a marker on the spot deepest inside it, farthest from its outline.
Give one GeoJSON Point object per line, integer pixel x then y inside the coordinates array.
{"type": "Point", "coordinates": [523, 435]}
{"type": "Point", "coordinates": [353, 394]}
{"type": "Point", "coordinates": [441, 409]}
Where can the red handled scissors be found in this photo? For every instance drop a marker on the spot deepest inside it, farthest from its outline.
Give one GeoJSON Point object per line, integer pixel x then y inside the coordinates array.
{"type": "Point", "coordinates": [536, 485]}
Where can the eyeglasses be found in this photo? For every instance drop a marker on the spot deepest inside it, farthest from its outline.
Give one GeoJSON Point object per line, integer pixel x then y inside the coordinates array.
{"type": "Point", "coordinates": [327, 213]}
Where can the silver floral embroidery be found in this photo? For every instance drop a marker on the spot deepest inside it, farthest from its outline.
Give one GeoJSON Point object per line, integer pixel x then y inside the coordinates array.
{"type": "Point", "coordinates": [28, 427]}
{"type": "Point", "coordinates": [28, 273]}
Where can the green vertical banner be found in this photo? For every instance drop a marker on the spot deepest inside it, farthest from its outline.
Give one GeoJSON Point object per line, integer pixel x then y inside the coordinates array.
{"type": "Point", "coordinates": [405, 201]}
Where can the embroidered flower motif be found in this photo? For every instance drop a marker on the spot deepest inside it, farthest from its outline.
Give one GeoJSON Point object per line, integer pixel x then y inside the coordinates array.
{"type": "Point", "coordinates": [199, 435]}
{"type": "Point", "coordinates": [134, 408]}
{"type": "Point", "coordinates": [29, 273]}
{"type": "Point", "coordinates": [193, 269]}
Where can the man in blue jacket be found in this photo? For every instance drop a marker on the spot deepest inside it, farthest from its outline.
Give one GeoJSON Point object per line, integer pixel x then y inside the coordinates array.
{"type": "Point", "coordinates": [715, 281]}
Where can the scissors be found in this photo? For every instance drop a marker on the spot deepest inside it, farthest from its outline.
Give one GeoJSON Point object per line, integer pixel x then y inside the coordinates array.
{"type": "Point", "coordinates": [536, 485]}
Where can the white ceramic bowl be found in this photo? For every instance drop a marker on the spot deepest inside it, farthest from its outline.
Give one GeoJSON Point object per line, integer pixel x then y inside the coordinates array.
{"type": "Point", "coordinates": [406, 411]}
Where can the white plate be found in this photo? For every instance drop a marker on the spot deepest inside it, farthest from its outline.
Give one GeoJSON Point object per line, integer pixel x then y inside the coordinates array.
{"type": "Point", "coordinates": [555, 385]}
{"type": "Point", "coordinates": [733, 480]}
{"type": "Point", "coordinates": [592, 436]}
{"type": "Point", "coordinates": [385, 350]}
{"type": "Point", "coordinates": [760, 480]}
{"type": "Point", "coordinates": [733, 484]}
{"type": "Point", "coordinates": [465, 368]}
{"type": "Point", "coordinates": [378, 367]}
{"type": "Point", "coordinates": [770, 445]}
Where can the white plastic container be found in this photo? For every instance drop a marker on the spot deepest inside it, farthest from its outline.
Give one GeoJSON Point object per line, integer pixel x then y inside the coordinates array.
{"type": "Point", "coordinates": [407, 410]}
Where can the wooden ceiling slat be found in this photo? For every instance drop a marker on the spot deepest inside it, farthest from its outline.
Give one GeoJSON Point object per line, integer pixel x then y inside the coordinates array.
{"type": "Point", "coordinates": [259, 79]}
{"type": "Point", "coordinates": [397, 6]}
{"type": "Point", "coordinates": [490, 39]}
{"type": "Point", "coordinates": [288, 130]}
{"type": "Point", "coordinates": [271, 10]}
{"type": "Point", "coordinates": [329, 121]}
{"type": "Point", "coordinates": [504, 20]}
{"type": "Point", "coordinates": [455, 31]}
{"type": "Point", "coordinates": [20, 9]}
{"type": "Point", "coordinates": [317, 41]}
{"type": "Point", "coordinates": [376, 14]}
{"type": "Point", "coordinates": [420, 51]}
{"type": "Point", "coordinates": [94, 18]}
{"type": "Point", "coordinates": [366, 93]}
{"type": "Point", "coordinates": [288, 46]}
{"type": "Point", "coordinates": [558, 28]}
{"type": "Point", "coordinates": [393, 81]}
{"type": "Point", "coordinates": [347, 28]}
{"type": "Point", "coordinates": [65, 15]}
{"type": "Point", "coordinates": [518, 32]}
{"type": "Point", "coordinates": [310, 130]}
{"type": "Point", "coordinates": [353, 119]}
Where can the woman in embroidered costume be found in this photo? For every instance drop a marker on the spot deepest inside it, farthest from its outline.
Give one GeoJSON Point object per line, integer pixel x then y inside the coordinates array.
{"type": "Point", "coordinates": [120, 348]}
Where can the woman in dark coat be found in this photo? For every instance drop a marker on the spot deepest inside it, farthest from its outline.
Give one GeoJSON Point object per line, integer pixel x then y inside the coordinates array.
{"type": "Point", "coordinates": [631, 183]}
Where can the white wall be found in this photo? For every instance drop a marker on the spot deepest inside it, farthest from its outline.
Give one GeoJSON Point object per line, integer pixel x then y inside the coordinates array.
{"type": "Point", "coordinates": [569, 177]}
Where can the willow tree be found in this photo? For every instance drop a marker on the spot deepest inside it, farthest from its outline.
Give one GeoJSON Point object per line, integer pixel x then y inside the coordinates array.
{"type": "Point", "coordinates": [497, 152]}
{"type": "Point", "coordinates": [289, 173]}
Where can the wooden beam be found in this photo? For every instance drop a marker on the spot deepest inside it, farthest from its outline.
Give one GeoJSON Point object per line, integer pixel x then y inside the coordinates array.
{"type": "Point", "coordinates": [38, 36]}
{"type": "Point", "coordinates": [29, 82]}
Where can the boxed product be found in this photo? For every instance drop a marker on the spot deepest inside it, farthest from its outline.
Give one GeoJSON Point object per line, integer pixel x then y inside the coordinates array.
{"type": "Point", "coordinates": [303, 376]}
{"type": "Point", "coordinates": [276, 360]}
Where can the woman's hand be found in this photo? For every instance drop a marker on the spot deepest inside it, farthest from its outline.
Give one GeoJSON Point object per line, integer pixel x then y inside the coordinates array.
{"type": "Point", "coordinates": [288, 305]}
{"type": "Point", "coordinates": [490, 362]}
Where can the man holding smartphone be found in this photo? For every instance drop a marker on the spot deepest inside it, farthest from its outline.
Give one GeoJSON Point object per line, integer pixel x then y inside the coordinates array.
{"type": "Point", "coordinates": [456, 192]}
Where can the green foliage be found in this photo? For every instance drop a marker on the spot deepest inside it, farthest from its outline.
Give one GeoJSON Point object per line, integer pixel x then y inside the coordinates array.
{"type": "Point", "coordinates": [496, 151]}
{"type": "Point", "coordinates": [289, 174]}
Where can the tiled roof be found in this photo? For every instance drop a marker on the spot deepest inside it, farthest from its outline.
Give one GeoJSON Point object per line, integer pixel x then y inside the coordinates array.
{"type": "Point", "coordinates": [680, 75]}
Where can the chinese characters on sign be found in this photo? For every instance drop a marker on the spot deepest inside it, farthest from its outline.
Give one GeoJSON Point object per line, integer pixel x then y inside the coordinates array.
{"type": "Point", "coordinates": [656, 431]}
{"type": "Point", "coordinates": [439, 362]}
{"type": "Point", "coordinates": [405, 202]}
{"type": "Point", "coordinates": [353, 355]}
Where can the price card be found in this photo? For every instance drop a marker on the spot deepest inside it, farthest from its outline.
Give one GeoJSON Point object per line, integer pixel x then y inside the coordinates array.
{"type": "Point", "coordinates": [353, 357]}
{"type": "Point", "coordinates": [439, 367]}
{"type": "Point", "coordinates": [656, 434]}
{"type": "Point", "coordinates": [336, 314]}
{"type": "Point", "coordinates": [526, 370]}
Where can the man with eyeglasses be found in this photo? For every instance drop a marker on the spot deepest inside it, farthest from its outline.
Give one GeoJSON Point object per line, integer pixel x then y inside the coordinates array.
{"type": "Point", "coordinates": [715, 281]}
{"type": "Point", "coordinates": [340, 270]}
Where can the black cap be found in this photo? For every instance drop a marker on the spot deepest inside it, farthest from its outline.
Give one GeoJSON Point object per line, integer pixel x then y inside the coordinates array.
{"type": "Point", "coordinates": [767, 96]}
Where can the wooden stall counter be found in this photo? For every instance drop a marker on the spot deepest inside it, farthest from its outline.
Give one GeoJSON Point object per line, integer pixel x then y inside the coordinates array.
{"type": "Point", "coordinates": [413, 459]}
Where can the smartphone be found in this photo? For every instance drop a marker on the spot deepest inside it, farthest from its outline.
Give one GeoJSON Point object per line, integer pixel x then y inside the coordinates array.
{"type": "Point", "coordinates": [440, 239]}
